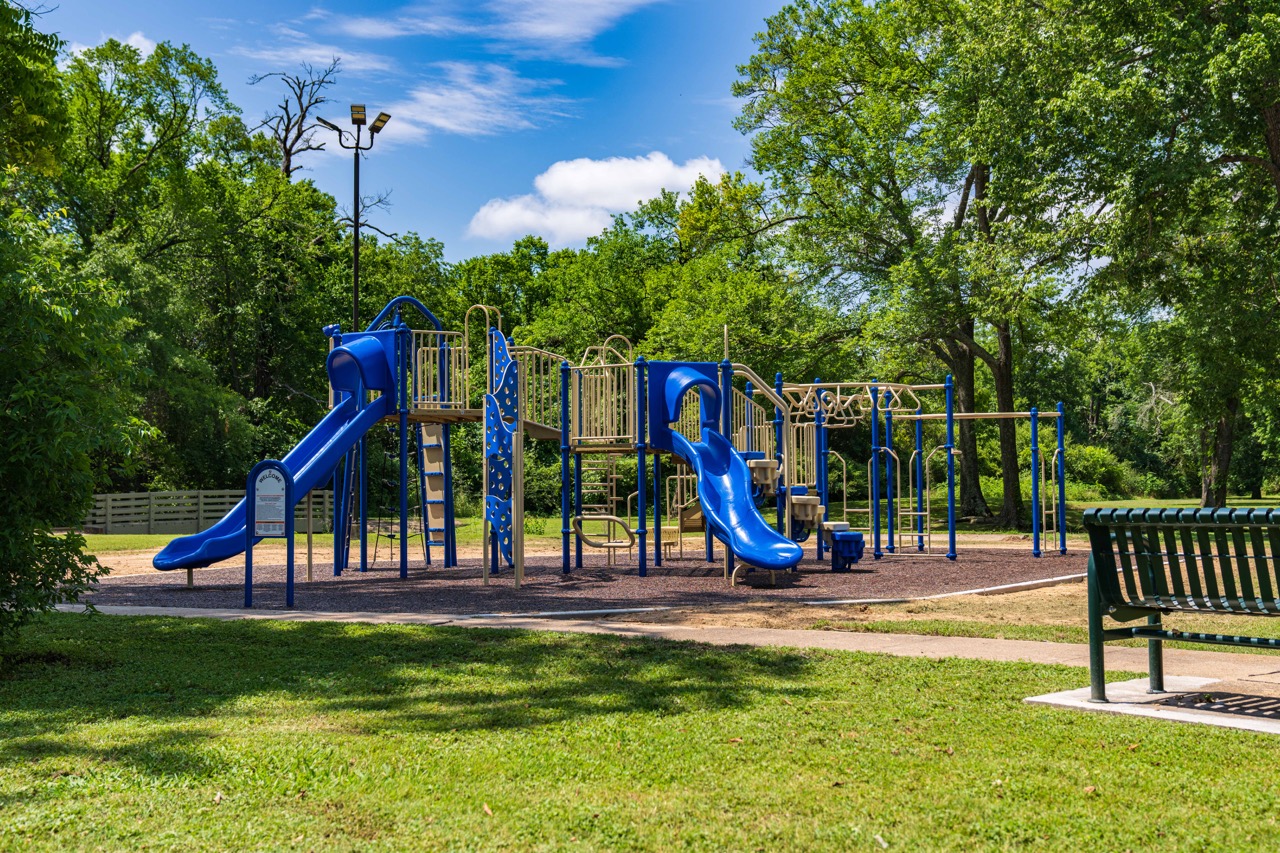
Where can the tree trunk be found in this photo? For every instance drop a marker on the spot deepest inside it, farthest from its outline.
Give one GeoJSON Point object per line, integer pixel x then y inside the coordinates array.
{"type": "Point", "coordinates": [972, 501]}
{"type": "Point", "coordinates": [1213, 485]}
{"type": "Point", "coordinates": [1011, 510]}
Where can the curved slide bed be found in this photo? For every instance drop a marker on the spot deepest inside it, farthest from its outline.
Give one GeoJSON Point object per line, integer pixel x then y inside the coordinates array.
{"type": "Point", "coordinates": [725, 490]}
{"type": "Point", "coordinates": [363, 364]}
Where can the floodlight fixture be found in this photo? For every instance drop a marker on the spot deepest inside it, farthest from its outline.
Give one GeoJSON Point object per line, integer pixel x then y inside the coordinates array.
{"type": "Point", "coordinates": [357, 114]}
{"type": "Point", "coordinates": [380, 122]}
{"type": "Point", "coordinates": [329, 124]}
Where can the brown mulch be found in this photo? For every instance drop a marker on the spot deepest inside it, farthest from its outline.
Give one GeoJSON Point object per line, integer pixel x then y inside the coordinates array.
{"type": "Point", "coordinates": [678, 583]}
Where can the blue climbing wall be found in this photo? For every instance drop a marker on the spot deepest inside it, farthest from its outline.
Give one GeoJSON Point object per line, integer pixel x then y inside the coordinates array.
{"type": "Point", "coordinates": [500, 414]}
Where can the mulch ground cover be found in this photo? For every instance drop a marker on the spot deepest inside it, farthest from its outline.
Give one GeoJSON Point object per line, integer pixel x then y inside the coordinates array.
{"type": "Point", "coordinates": [596, 586]}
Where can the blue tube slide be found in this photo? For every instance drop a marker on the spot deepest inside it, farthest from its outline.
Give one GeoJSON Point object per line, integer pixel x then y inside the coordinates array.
{"type": "Point", "coordinates": [725, 490]}
{"type": "Point", "coordinates": [364, 362]}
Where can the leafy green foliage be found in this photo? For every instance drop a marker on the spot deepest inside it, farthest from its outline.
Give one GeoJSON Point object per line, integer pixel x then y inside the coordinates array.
{"type": "Point", "coordinates": [64, 347]}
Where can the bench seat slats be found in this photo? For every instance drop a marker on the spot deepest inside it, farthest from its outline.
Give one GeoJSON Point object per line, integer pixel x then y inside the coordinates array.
{"type": "Point", "coordinates": [1157, 561]}
{"type": "Point", "coordinates": [1126, 537]}
{"type": "Point", "coordinates": [1210, 574]}
{"type": "Point", "coordinates": [1263, 588]}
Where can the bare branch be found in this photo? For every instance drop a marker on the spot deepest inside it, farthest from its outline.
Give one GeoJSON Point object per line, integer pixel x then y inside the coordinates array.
{"type": "Point", "coordinates": [292, 125]}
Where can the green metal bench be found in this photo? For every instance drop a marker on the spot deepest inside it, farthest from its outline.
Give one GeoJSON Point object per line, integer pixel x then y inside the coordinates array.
{"type": "Point", "coordinates": [1149, 562]}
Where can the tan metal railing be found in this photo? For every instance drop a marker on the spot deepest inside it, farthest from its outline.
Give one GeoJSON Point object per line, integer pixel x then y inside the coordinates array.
{"type": "Point", "coordinates": [802, 461]}
{"type": "Point", "coordinates": [752, 424]}
{"type": "Point", "coordinates": [539, 385]}
{"type": "Point", "coordinates": [440, 370]}
{"type": "Point", "coordinates": [603, 405]}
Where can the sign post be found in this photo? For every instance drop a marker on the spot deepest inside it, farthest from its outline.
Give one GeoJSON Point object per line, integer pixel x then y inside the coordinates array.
{"type": "Point", "coordinates": [268, 515]}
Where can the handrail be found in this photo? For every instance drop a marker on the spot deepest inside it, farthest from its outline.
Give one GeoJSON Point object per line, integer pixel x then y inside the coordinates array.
{"type": "Point", "coordinates": [394, 305]}
{"type": "Point", "coordinates": [610, 520]}
{"type": "Point", "coordinates": [759, 386]}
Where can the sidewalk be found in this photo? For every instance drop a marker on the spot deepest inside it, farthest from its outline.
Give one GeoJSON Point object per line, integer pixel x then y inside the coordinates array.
{"type": "Point", "coordinates": [1217, 666]}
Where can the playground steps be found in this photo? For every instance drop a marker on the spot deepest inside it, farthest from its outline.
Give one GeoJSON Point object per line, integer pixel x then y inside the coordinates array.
{"type": "Point", "coordinates": [600, 486]}
{"type": "Point", "coordinates": [432, 464]}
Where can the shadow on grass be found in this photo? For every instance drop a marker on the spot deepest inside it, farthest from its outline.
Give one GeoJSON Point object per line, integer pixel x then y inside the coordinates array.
{"type": "Point", "coordinates": [134, 674]}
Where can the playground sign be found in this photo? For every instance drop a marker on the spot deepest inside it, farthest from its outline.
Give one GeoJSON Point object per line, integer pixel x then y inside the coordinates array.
{"type": "Point", "coordinates": [269, 503]}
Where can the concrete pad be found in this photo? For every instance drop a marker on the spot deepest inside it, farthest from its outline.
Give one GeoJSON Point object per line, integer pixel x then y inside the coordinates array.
{"type": "Point", "coordinates": [1187, 699]}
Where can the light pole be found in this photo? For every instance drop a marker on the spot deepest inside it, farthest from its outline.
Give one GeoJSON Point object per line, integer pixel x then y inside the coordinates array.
{"type": "Point", "coordinates": [357, 121]}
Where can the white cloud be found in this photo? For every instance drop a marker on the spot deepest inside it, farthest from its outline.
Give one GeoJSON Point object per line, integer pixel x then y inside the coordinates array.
{"type": "Point", "coordinates": [143, 44]}
{"type": "Point", "coordinates": [564, 22]}
{"type": "Point", "coordinates": [297, 48]}
{"type": "Point", "coordinates": [576, 199]}
{"type": "Point", "coordinates": [563, 28]}
{"type": "Point", "coordinates": [135, 39]}
{"type": "Point", "coordinates": [473, 99]}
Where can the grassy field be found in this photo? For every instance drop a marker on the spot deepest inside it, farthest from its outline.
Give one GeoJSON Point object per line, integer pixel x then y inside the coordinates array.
{"type": "Point", "coordinates": [123, 733]}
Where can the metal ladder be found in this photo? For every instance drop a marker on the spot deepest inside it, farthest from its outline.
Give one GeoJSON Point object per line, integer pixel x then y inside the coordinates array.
{"type": "Point", "coordinates": [432, 486]}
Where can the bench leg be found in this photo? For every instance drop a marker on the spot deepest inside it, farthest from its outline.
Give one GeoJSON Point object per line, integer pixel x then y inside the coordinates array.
{"type": "Point", "coordinates": [1097, 671]}
{"type": "Point", "coordinates": [1155, 658]}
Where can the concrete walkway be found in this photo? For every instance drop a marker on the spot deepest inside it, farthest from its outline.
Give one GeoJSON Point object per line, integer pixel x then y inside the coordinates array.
{"type": "Point", "coordinates": [1218, 666]}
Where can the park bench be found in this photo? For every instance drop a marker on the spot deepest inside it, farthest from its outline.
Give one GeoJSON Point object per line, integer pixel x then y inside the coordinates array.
{"type": "Point", "coordinates": [1151, 562]}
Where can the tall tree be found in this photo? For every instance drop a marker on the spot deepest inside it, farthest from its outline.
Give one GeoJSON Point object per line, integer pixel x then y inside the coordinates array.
{"type": "Point", "coordinates": [1177, 129]}
{"type": "Point", "coordinates": [902, 141]}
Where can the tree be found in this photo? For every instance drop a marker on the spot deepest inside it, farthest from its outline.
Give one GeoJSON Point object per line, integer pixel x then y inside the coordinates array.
{"type": "Point", "coordinates": [1177, 129]}
{"type": "Point", "coordinates": [30, 106]}
{"type": "Point", "coordinates": [64, 366]}
{"type": "Point", "coordinates": [902, 140]}
{"type": "Point", "coordinates": [292, 124]}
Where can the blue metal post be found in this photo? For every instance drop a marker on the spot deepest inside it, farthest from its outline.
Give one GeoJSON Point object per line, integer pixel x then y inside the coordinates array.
{"type": "Point", "coordinates": [1035, 482]}
{"type": "Point", "coordinates": [890, 470]}
{"type": "Point", "coordinates": [402, 361]}
{"type": "Point", "coordinates": [577, 484]}
{"type": "Point", "coordinates": [290, 519]}
{"type": "Point", "coordinates": [362, 454]}
{"type": "Point", "coordinates": [726, 430]}
{"type": "Point", "coordinates": [657, 510]}
{"type": "Point", "coordinates": [726, 400]}
{"type": "Point", "coordinates": [339, 513]}
{"type": "Point", "coordinates": [819, 465]}
{"type": "Point", "coordinates": [779, 424]}
{"type": "Point", "coordinates": [921, 521]}
{"type": "Point", "coordinates": [875, 473]}
{"type": "Point", "coordinates": [642, 467]}
{"type": "Point", "coordinates": [1062, 481]}
{"type": "Point", "coordinates": [951, 470]}
{"type": "Point", "coordinates": [565, 530]}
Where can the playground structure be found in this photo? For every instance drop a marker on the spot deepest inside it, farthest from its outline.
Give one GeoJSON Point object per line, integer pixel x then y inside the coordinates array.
{"type": "Point", "coordinates": [734, 443]}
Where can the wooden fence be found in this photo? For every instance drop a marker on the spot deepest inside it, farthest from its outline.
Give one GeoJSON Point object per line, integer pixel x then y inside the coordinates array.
{"type": "Point", "coordinates": [186, 512]}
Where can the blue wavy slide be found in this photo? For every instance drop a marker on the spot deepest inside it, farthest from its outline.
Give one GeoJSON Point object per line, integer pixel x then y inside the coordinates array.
{"type": "Point", "coordinates": [725, 492]}
{"type": "Point", "coordinates": [312, 461]}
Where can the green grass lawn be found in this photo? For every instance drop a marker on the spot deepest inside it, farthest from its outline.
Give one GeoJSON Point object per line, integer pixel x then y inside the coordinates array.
{"type": "Point", "coordinates": [165, 733]}
{"type": "Point", "coordinates": [1055, 633]}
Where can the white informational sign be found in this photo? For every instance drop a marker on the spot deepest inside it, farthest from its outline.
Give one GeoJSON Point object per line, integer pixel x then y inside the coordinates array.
{"type": "Point", "coordinates": [268, 503]}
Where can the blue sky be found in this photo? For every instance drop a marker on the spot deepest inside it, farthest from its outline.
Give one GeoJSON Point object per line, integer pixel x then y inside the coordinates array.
{"type": "Point", "coordinates": [509, 117]}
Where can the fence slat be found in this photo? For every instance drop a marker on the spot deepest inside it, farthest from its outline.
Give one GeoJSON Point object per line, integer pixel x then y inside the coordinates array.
{"type": "Point", "coordinates": [181, 512]}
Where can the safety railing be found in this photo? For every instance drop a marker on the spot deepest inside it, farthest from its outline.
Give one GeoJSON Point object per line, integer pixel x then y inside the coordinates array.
{"type": "Point", "coordinates": [603, 405]}
{"type": "Point", "coordinates": [753, 428]}
{"type": "Point", "coordinates": [802, 461]}
{"type": "Point", "coordinates": [539, 385]}
{"type": "Point", "coordinates": [440, 370]}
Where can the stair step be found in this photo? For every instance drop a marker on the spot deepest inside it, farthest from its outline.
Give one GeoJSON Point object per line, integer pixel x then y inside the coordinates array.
{"type": "Point", "coordinates": [433, 501]}
{"type": "Point", "coordinates": [433, 473]}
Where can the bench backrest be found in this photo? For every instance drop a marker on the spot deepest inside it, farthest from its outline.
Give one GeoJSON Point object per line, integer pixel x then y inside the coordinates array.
{"type": "Point", "coordinates": [1222, 561]}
